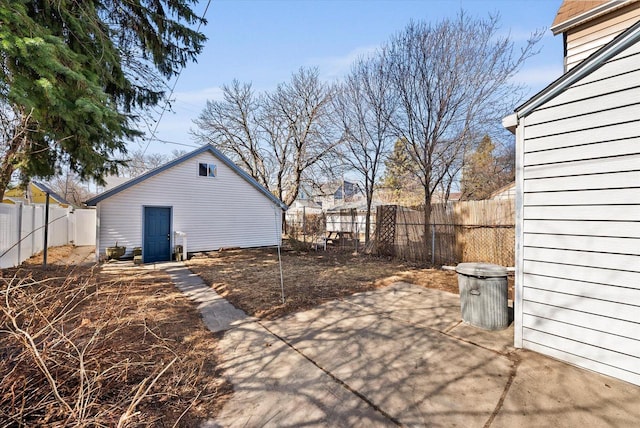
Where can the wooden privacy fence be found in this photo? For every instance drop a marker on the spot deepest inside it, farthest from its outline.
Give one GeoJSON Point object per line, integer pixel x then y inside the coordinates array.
{"type": "Point", "coordinates": [471, 231]}
{"type": "Point", "coordinates": [22, 230]}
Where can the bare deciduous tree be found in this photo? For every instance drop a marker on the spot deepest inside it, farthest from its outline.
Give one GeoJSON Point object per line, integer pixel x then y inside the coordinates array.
{"type": "Point", "coordinates": [70, 187]}
{"type": "Point", "coordinates": [137, 163]}
{"type": "Point", "coordinates": [276, 137]}
{"type": "Point", "coordinates": [364, 105]}
{"type": "Point", "coordinates": [453, 80]}
{"type": "Point", "coordinates": [232, 126]}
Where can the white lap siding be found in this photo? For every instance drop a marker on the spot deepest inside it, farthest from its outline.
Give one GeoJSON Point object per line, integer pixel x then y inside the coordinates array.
{"type": "Point", "coordinates": [215, 212]}
{"type": "Point", "coordinates": [580, 233]}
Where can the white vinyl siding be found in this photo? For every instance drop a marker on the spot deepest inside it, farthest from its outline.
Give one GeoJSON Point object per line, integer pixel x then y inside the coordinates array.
{"type": "Point", "coordinates": [585, 39]}
{"type": "Point", "coordinates": [215, 212]}
{"type": "Point", "coordinates": [580, 231]}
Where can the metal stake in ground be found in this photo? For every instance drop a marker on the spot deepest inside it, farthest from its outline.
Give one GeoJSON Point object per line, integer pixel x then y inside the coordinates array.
{"type": "Point", "coordinates": [46, 231]}
{"type": "Point", "coordinates": [278, 240]}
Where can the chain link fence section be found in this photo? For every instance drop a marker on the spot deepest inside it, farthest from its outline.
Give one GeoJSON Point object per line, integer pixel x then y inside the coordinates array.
{"type": "Point", "coordinates": [335, 229]}
{"type": "Point", "coordinates": [488, 243]}
{"type": "Point", "coordinates": [477, 231]}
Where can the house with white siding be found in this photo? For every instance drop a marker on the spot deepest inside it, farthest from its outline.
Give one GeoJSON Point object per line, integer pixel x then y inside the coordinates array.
{"type": "Point", "coordinates": [578, 205]}
{"type": "Point", "coordinates": [202, 196]}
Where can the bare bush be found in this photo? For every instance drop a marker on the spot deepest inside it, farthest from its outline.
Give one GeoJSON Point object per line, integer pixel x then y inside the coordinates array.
{"type": "Point", "coordinates": [78, 351]}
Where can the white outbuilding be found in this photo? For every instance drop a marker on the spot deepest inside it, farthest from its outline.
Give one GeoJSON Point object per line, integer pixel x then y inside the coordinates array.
{"type": "Point", "coordinates": [578, 213]}
{"type": "Point", "coordinates": [202, 197]}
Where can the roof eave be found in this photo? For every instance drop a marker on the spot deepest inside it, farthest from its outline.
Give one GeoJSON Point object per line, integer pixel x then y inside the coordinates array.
{"type": "Point", "coordinates": [44, 188]}
{"type": "Point", "coordinates": [593, 62]}
{"type": "Point", "coordinates": [95, 200]}
{"type": "Point", "coordinates": [510, 123]}
{"type": "Point", "coordinates": [588, 15]}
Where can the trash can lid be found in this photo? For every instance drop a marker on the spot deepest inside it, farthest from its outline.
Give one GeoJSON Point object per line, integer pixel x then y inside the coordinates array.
{"type": "Point", "coordinates": [486, 270]}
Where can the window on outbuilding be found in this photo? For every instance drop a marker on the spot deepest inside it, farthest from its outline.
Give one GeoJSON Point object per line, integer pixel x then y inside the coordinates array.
{"type": "Point", "coordinates": [207, 169]}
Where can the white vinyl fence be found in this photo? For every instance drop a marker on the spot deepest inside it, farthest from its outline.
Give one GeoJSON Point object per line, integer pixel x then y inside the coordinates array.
{"type": "Point", "coordinates": [82, 227]}
{"type": "Point", "coordinates": [22, 230]}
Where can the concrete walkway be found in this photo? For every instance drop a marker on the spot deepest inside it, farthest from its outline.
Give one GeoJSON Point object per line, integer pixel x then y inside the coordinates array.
{"type": "Point", "coordinates": [397, 356]}
{"type": "Point", "coordinates": [218, 314]}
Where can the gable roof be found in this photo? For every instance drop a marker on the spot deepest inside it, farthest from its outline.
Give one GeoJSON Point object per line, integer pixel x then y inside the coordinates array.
{"type": "Point", "coordinates": [575, 12]}
{"type": "Point", "coordinates": [206, 148]}
{"type": "Point", "coordinates": [308, 203]}
{"type": "Point", "coordinates": [52, 194]}
{"type": "Point", "coordinates": [330, 188]}
{"type": "Point", "coordinates": [357, 205]}
{"type": "Point", "coordinates": [586, 67]}
{"type": "Point", "coordinates": [18, 195]}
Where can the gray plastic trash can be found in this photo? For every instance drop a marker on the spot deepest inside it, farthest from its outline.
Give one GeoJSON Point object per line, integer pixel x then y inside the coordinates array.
{"type": "Point", "coordinates": [484, 295]}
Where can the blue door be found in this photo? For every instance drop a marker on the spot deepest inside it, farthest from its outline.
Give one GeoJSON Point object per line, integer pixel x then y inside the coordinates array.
{"type": "Point", "coordinates": [157, 234]}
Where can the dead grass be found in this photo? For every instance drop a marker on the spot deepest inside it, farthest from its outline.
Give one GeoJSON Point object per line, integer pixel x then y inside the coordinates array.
{"type": "Point", "coordinates": [85, 348]}
{"type": "Point", "coordinates": [250, 279]}
{"type": "Point", "coordinates": [55, 255]}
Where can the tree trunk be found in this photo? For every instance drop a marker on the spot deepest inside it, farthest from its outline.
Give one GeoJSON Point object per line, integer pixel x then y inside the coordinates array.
{"type": "Point", "coordinates": [367, 222]}
{"type": "Point", "coordinates": [5, 177]}
{"type": "Point", "coordinates": [7, 166]}
{"type": "Point", "coordinates": [427, 219]}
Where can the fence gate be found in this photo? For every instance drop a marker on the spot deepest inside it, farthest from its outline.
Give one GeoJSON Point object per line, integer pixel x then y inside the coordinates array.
{"type": "Point", "coordinates": [386, 229]}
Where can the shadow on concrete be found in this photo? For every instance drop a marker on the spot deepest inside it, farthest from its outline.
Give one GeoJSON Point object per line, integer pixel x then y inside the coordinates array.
{"type": "Point", "coordinates": [401, 356]}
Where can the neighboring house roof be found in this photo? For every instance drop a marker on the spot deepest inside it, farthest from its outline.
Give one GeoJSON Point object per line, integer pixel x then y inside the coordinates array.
{"type": "Point", "coordinates": [333, 187]}
{"type": "Point", "coordinates": [12, 200]}
{"type": "Point", "coordinates": [299, 203]}
{"type": "Point", "coordinates": [46, 189]}
{"type": "Point", "coordinates": [207, 148]}
{"type": "Point", "coordinates": [593, 62]}
{"type": "Point", "coordinates": [440, 197]}
{"type": "Point", "coordinates": [575, 12]}
{"type": "Point", "coordinates": [357, 205]}
{"type": "Point", "coordinates": [18, 195]}
{"type": "Point", "coordinates": [503, 189]}
{"type": "Point", "coordinates": [454, 196]}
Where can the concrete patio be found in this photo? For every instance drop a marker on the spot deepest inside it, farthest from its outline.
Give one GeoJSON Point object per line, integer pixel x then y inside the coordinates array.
{"type": "Point", "coordinates": [399, 356]}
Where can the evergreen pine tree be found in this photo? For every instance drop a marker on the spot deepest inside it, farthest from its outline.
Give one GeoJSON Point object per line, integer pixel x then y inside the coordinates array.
{"type": "Point", "coordinates": [75, 77]}
{"type": "Point", "coordinates": [483, 172]}
{"type": "Point", "coordinates": [397, 167]}
{"type": "Point", "coordinates": [399, 179]}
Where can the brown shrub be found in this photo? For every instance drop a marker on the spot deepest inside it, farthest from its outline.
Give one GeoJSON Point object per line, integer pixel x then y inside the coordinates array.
{"type": "Point", "coordinates": [83, 349]}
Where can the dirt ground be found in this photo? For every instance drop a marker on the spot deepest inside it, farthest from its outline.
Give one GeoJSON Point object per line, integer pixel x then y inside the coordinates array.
{"type": "Point", "coordinates": [250, 279]}
{"type": "Point", "coordinates": [125, 326]}
{"type": "Point", "coordinates": [65, 255]}
{"type": "Point", "coordinates": [137, 336]}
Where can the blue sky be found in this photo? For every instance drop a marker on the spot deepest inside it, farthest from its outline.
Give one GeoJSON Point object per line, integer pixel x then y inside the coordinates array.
{"type": "Point", "coordinates": [264, 42]}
